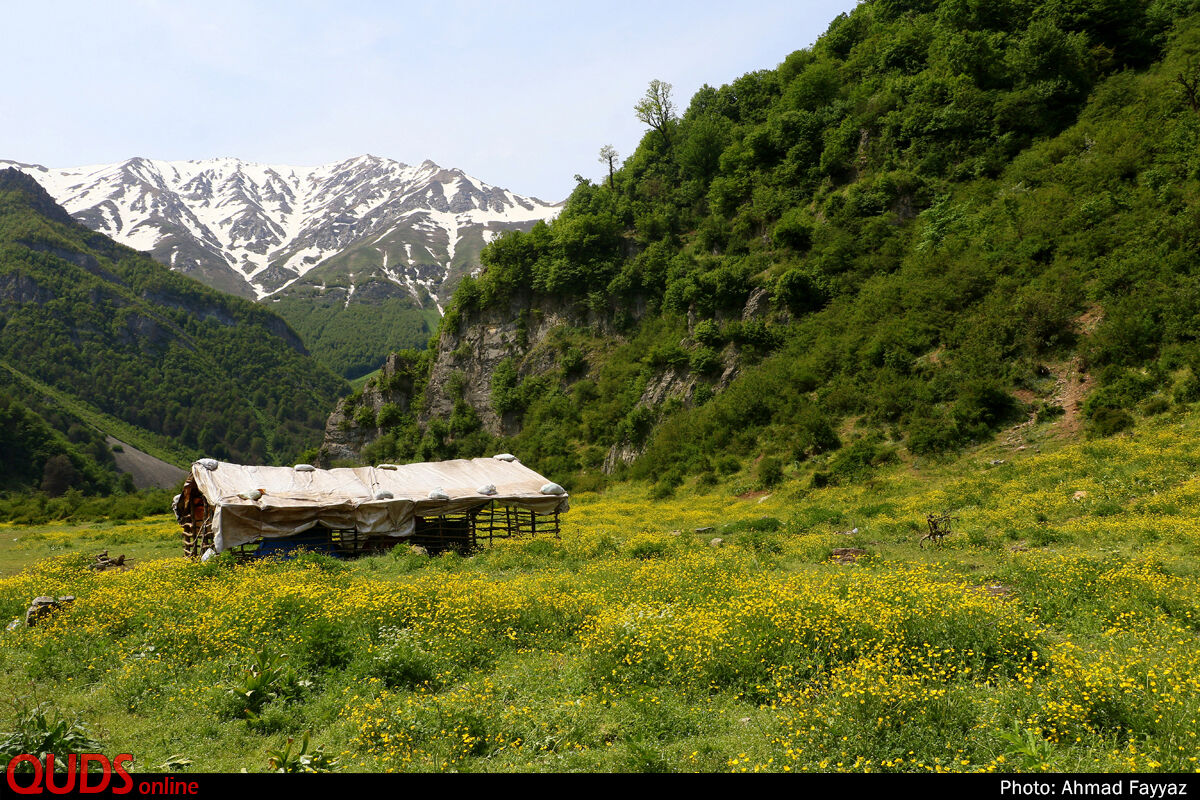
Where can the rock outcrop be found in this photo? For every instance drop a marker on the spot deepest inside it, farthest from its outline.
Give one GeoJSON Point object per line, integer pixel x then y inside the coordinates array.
{"type": "Point", "coordinates": [468, 354]}
{"type": "Point", "coordinates": [467, 357]}
{"type": "Point", "coordinates": [345, 436]}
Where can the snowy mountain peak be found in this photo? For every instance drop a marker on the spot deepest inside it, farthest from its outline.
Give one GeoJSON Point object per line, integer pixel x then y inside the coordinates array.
{"type": "Point", "coordinates": [255, 229]}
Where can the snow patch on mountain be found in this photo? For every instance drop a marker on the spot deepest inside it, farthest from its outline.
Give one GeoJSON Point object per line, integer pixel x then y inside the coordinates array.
{"type": "Point", "coordinates": [265, 226]}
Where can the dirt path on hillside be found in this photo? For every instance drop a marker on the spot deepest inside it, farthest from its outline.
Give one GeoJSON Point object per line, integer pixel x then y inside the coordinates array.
{"type": "Point", "coordinates": [1071, 386]}
{"type": "Point", "coordinates": [147, 471]}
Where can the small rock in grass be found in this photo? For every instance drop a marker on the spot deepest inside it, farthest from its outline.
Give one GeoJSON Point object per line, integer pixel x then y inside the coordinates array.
{"type": "Point", "coordinates": [847, 555]}
{"type": "Point", "coordinates": [39, 608]}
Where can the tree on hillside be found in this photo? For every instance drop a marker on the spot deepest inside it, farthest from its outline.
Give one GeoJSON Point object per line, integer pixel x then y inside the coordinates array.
{"type": "Point", "coordinates": [1189, 83]}
{"type": "Point", "coordinates": [656, 109]}
{"type": "Point", "coordinates": [609, 155]}
{"type": "Point", "coordinates": [58, 475]}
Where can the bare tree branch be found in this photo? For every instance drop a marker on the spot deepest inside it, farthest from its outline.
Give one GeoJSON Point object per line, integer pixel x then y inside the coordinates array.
{"type": "Point", "coordinates": [609, 155]}
{"type": "Point", "coordinates": [656, 109]}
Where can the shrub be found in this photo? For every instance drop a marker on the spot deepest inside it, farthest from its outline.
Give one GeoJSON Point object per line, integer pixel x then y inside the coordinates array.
{"type": "Point", "coordinates": [1048, 411]}
{"type": "Point", "coordinates": [667, 484]}
{"type": "Point", "coordinates": [506, 394]}
{"type": "Point", "coordinates": [365, 417]}
{"type": "Point", "coordinates": [793, 231]}
{"type": "Point", "coordinates": [1156, 405]}
{"type": "Point", "coordinates": [40, 728]}
{"type": "Point", "coordinates": [707, 333]}
{"type": "Point", "coordinates": [799, 292]}
{"type": "Point", "coordinates": [1188, 390]}
{"type": "Point", "coordinates": [856, 460]}
{"type": "Point", "coordinates": [815, 434]}
{"type": "Point", "coordinates": [705, 361]}
{"type": "Point", "coordinates": [390, 415]}
{"type": "Point", "coordinates": [400, 661]}
{"type": "Point", "coordinates": [573, 362]}
{"type": "Point", "coordinates": [727, 465]}
{"type": "Point", "coordinates": [1108, 421]}
{"type": "Point", "coordinates": [769, 472]}
{"type": "Point", "coordinates": [981, 407]}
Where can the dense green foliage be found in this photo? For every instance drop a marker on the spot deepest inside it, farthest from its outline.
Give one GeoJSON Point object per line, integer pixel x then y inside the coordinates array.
{"type": "Point", "coordinates": [37, 455]}
{"type": "Point", "coordinates": [35, 508]}
{"type": "Point", "coordinates": [892, 232]}
{"type": "Point", "coordinates": [353, 338]}
{"type": "Point", "coordinates": [118, 333]}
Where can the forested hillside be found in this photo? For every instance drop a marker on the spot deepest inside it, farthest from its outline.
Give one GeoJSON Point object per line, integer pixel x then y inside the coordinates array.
{"type": "Point", "coordinates": [898, 241]}
{"type": "Point", "coordinates": [92, 330]}
{"type": "Point", "coordinates": [38, 455]}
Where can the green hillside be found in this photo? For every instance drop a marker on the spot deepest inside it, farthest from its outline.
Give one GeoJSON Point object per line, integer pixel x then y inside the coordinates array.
{"type": "Point", "coordinates": [354, 335]}
{"type": "Point", "coordinates": [38, 455]}
{"type": "Point", "coordinates": [103, 337]}
{"type": "Point", "coordinates": [896, 243]}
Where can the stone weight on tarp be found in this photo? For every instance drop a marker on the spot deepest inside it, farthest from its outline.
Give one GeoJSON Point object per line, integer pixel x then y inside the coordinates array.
{"type": "Point", "coordinates": [553, 488]}
{"type": "Point", "coordinates": [208, 463]}
{"type": "Point", "coordinates": [488, 490]}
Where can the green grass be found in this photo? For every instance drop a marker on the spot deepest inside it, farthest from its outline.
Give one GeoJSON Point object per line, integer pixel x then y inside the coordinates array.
{"type": "Point", "coordinates": [1051, 631]}
{"type": "Point", "coordinates": [357, 384]}
{"type": "Point", "coordinates": [22, 546]}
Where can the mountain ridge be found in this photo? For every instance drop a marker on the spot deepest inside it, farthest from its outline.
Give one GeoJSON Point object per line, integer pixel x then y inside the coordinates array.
{"type": "Point", "coordinates": [334, 248]}
{"type": "Point", "coordinates": [104, 338]}
{"type": "Point", "coordinates": [271, 224]}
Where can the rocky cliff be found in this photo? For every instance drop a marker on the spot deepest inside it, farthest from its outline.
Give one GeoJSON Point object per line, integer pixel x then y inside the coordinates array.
{"type": "Point", "coordinates": [462, 369]}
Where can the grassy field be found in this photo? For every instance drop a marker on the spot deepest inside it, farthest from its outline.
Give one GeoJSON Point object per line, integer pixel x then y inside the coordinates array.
{"type": "Point", "coordinates": [1055, 630]}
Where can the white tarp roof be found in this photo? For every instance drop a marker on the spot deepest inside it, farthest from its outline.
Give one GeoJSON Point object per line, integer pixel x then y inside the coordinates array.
{"type": "Point", "coordinates": [292, 501]}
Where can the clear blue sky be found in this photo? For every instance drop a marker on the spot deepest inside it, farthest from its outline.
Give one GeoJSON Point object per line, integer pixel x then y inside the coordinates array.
{"type": "Point", "coordinates": [519, 94]}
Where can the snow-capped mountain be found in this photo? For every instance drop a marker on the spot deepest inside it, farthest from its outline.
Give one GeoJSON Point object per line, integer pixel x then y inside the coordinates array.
{"type": "Point", "coordinates": [257, 229]}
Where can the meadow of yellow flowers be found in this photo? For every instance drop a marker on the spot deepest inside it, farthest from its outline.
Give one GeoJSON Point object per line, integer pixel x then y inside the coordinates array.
{"type": "Point", "coordinates": [1057, 629]}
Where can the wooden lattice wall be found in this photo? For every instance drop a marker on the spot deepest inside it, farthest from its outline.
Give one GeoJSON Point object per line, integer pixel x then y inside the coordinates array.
{"type": "Point", "coordinates": [463, 532]}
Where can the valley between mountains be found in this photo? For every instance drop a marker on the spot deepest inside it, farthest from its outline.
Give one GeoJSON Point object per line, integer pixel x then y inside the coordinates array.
{"type": "Point", "coordinates": [359, 256]}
